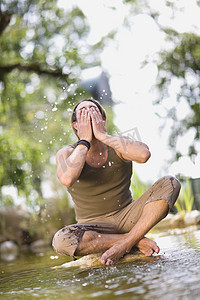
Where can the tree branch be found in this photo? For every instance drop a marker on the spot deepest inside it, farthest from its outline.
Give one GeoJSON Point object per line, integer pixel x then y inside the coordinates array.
{"type": "Point", "coordinates": [31, 68]}
{"type": "Point", "coordinates": [4, 20]}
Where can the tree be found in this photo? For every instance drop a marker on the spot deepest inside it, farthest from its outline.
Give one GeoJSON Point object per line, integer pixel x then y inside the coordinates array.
{"type": "Point", "coordinates": [182, 63]}
{"type": "Point", "coordinates": [43, 49]}
{"type": "Point", "coordinates": [178, 62]}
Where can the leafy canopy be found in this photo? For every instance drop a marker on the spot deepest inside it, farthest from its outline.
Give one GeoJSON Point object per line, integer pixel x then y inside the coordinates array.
{"type": "Point", "coordinates": [43, 49]}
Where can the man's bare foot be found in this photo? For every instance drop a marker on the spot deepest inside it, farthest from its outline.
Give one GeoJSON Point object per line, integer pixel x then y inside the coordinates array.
{"type": "Point", "coordinates": [113, 254]}
{"type": "Point", "coordinates": [119, 249]}
{"type": "Point", "coordinates": [147, 246]}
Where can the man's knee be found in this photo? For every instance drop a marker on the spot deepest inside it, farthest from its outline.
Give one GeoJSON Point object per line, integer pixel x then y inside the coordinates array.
{"type": "Point", "coordinates": [66, 240]}
{"type": "Point", "coordinates": [167, 188]}
{"type": "Point", "coordinates": [176, 186]}
{"type": "Point", "coordinates": [57, 241]}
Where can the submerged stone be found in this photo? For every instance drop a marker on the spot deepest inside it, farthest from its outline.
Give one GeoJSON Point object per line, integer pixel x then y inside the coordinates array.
{"type": "Point", "coordinates": [9, 251]}
{"type": "Point", "coordinates": [39, 246]}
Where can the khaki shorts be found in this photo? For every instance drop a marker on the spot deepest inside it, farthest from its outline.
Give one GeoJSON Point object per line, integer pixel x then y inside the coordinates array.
{"type": "Point", "coordinates": [66, 240]}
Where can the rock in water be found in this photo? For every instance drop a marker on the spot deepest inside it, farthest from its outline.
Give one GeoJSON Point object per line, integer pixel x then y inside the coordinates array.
{"type": "Point", "coordinates": [9, 251]}
{"type": "Point", "coordinates": [93, 260]}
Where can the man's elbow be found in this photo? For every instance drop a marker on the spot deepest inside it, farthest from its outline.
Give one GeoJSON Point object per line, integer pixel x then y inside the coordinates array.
{"type": "Point", "coordinates": [65, 180]}
{"type": "Point", "coordinates": [145, 155]}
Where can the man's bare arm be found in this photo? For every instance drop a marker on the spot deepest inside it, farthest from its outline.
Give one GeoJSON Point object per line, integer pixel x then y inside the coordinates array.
{"type": "Point", "coordinates": [70, 163]}
{"type": "Point", "coordinates": [124, 146]}
{"type": "Point", "coordinates": [127, 148]}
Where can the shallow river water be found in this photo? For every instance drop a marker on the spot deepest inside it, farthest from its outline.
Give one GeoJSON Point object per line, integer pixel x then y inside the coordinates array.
{"type": "Point", "coordinates": [174, 274]}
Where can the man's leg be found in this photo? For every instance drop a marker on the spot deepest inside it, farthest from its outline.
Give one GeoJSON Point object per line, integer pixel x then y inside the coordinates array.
{"type": "Point", "coordinates": [83, 239]}
{"type": "Point", "coordinates": [152, 213]}
{"type": "Point", "coordinates": [116, 245]}
{"type": "Point", "coordinates": [94, 242]}
{"type": "Point", "coordinates": [84, 236]}
{"type": "Point", "coordinates": [155, 204]}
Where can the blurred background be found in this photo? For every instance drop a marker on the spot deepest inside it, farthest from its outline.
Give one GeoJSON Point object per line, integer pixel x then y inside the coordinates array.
{"type": "Point", "coordinates": [140, 59]}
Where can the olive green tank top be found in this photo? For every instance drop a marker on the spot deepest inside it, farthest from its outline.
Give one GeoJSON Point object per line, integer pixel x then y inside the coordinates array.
{"type": "Point", "coordinates": [101, 190]}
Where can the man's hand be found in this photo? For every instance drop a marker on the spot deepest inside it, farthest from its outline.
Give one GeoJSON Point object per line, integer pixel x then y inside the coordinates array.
{"type": "Point", "coordinates": [84, 129]}
{"type": "Point", "coordinates": [98, 124]}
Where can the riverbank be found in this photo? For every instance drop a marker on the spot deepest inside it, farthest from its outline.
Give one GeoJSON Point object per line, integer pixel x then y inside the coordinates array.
{"type": "Point", "coordinates": [21, 233]}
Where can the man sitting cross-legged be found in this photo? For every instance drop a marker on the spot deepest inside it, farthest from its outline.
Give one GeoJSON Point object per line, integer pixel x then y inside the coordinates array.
{"type": "Point", "coordinates": [97, 172]}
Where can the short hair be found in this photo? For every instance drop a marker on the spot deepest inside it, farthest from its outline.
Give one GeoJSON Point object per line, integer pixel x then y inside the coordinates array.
{"type": "Point", "coordinates": [100, 107]}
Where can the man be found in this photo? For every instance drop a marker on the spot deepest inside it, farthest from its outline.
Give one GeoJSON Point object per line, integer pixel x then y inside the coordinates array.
{"type": "Point", "coordinates": [97, 172]}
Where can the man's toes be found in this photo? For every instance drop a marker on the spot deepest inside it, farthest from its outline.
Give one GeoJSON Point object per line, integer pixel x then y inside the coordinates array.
{"type": "Point", "coordinates": [149, 252]}
{"type": "Point", "coordinates": [103, 261]}
{"type": "Point", "coordinates": [109, 262]}
{"type": "Point", "coordinates": [157, 249]}
{"type": "Point", "coordinates": [104, 258]}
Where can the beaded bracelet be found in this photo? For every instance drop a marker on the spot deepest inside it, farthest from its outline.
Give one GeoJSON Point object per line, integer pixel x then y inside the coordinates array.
{"type": "Point", "coordinates": [84, 142]}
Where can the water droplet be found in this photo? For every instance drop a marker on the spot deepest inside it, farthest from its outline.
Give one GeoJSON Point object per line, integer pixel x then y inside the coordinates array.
{"type": "Point", "coordinates": [39, 114]}
{"type": "Point", "coordinates": [54, 109]}
{"type": "Point", "coordinates": [40, 141]}
{"type": "Point", "coordinates": [104, 167]}
{"type": "Point", "coordinates": [100, 153]}
{"type": "Point", "coordinates": [78, 180]}
{"type": "Point", "coordinates": [84, 284]}
{"type": "Point", "coordinates": [109, 163]}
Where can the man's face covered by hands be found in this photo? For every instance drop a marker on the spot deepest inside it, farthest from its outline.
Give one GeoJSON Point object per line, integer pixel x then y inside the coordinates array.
{"type": "Point", "coordinates": [89, 122]}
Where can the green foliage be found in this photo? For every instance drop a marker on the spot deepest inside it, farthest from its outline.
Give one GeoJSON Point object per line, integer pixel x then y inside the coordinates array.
{"type": "Point", "coordinates": [179, 63]}
{"type": "Point", "coordinates": [43, 50]}
{"type": "Point", "coordinates": [20, 166]}
{"type": "Point", "coordinates": [186, 199]}
{"type": "Point", "coordinates": [137, 187]}
{"type": "Point", "coordinates": [182, 62]}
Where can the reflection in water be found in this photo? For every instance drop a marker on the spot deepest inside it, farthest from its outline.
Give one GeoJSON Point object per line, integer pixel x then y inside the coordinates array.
{"type": "Point", "coordinates": [175, 274]}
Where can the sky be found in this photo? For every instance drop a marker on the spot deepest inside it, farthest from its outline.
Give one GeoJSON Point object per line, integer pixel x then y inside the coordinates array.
{"type": "Point", "coordinates": [131, 85]}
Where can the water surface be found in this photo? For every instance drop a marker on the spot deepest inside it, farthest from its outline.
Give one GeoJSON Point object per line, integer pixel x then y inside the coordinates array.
{"type": "Point", "coordinates": [174, 274]}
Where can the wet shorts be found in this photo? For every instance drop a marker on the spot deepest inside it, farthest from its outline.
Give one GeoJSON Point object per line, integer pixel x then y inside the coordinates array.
{"type": "Point", "coordinates": [66, 240]}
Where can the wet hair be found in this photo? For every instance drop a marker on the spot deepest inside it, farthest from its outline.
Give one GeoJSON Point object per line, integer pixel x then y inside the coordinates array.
{"type": "Point", "coordinates": [100, 107]}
